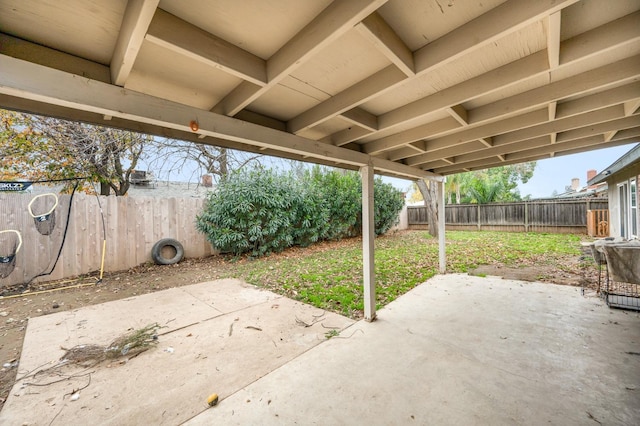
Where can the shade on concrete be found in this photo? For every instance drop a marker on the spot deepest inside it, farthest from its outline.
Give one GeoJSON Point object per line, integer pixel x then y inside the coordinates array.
{"type": "Point", "coordinates": [455, 350]}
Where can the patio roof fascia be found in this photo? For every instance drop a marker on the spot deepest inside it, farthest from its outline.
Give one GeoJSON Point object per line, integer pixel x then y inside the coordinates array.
{"type": "Point", "coordinates": [62, 89]}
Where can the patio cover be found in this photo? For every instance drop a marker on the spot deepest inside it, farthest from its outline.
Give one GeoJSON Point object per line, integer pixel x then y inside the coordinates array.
{"type": "Point", "coordinates": [409, 88]}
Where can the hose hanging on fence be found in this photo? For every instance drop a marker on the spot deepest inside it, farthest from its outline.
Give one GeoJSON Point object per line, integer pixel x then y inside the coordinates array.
{"type": "Point", "coordinates": [64, 234]}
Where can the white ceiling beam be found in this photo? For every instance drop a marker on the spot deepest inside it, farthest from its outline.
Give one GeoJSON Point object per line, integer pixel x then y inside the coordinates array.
{"type": "Point", "coordinates": [361, 118]}
{"type": "Point", "coordinates": [501, 158]}
{"type": "Point", "coordinates": [553, 39]}
{"type": "Point", "coordinates": [172, 33]}
{"type": "Point", "coordinates": [501, 142]}
{"type": "Point", "coordinates": [561, 125]}
{"type": "Point", "coordinates": [135, 23]}
{"type": "Point", "coordinates": [498, 78]}
{"type": "Point", "coordinates": [521, 70]}
{"type": "Point", "coordinates": [459, 113]}
{"type": "Point", "coordinates": [22, 49]}
{"type": "Point", "coordinates": [598, 100]}
{"type": "Point", "coordinates": [350, 98]}
{"type": "Point", "coordinates": [631, 107]}
{"type": "Point", "coordinates": [502, 150]}
{"type": "Point", "coordinates": [496, 23]}
{"type": "Point", "coordinates": [565, 110]}
{"type": "Point", "coordinates": [333, 22]}
{"type": "Point", "coordinates": [590, 143]}
{"type": "Point", "coordinates": [60, 89]}
{"type": "Point", "coordinates": [411, 135]}
{"type": "Point", "coordinates": [346, 136]}
{"type": "Point", "coordinates": [488, 130]}
{"type": "Point", "coordinates": [623, 31]}
{"type": "Point", "coordinates": [626, 69]}
{"type": "Point", "coordinates": [404, 152]}
{"type": "Point", "coordinates": [492, 25]}
{"type": "Point", "coordinates": [609, 135]}
{"type": "Point", "coordinates": [375, 29]}
{"type": "Point", "coordinates": [599, 128]}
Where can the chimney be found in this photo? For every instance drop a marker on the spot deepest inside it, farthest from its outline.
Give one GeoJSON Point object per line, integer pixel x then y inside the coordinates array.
{"type": "Point", "coordinates": [207, 181]}
{"type": "Point", "coordinates": [575, 184]}
{"type": "Point", "coordinates": [591, 174]}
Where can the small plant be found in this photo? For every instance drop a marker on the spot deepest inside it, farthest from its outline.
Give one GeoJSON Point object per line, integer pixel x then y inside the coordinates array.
{"type": "Point", "coordinates": [331, 333]}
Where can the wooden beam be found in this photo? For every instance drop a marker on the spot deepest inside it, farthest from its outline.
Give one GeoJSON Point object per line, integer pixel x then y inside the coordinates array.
{"type": "Point", "coordinates": [598, 100]}
{"type": "Point", "coordinates": [362, 118]}
{"type": "Point", "coordinates": [586, 136]}
{"type": "Point", "coordinates": [179, 36]}
{"type": "Point", "coordinates": [25, 50]}
{"type": "Point", "coordinates": [626, 69]}
{"type": "Point", "coordinates": [368, 239]}
{"type": "Point", "coordinates": [334, 21]}
{"type": "Point", "coordinates": [411, 135]}
{"type": "Point", "coordinates": [501, 77]}
{"type": "Point", "coordinates": [57, 88]}
{"type": "Point", "coordinates": [455, 148]}
{"type": "Point", "coordinates": [348, 99]}
{"type": "Point", "coordinates": [493, 25]}
{"type": "Point", "coordinates": [597, 128]}
{"type": "Point", "coordinates": [526, 68]}
{"type": "Point", "coordinates": [561, 125]}
{"type": "Point", "coordinates": [631, 107]}
{"type": "Point", "coordinates": [135, 23]}
{"type": "Point", "coordinates": [459, 113]}
{"type": "Point", "coordinates": [375, 29]}
{"type": "Point", "coordinates": [623, 31]}
{"type": "Point", "coordinates": [475, 133]}
{"type": "Point", "coordinates": [553, 39]}
{"type": "Point", "coordinates": [346, 136]}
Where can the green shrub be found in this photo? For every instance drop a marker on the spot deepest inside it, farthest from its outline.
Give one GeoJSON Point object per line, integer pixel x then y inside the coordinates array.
{"type": "Point", "coordinates": [250, 212]}
{"type": "Point", "coordinates": [388, 202]}
{"type": "Point", "coordinates": [341, 195]}
{"type": "Point", "coordinates": [260, 212]}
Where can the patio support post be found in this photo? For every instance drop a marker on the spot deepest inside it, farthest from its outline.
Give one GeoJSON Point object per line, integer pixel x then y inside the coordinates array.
{"type": "Point", "coordinates": [441, 228]}
{"type": "Point", "coordinates": [368, 236]}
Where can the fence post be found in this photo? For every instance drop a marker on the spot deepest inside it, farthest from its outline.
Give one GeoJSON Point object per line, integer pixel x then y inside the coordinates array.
{"type": "Point", "coordinates": [479, 226]}
{"type": "Point", "coordinates": [526, 216]}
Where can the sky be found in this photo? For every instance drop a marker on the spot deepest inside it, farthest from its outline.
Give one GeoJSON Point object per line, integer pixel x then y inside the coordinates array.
{"type": "Point", "coordinates": [556, 173]}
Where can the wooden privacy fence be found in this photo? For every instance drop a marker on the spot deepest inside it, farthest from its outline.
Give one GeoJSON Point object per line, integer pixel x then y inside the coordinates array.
{"type": "Point", "coordinates": [560, 216]}
{"type": "Point", "coordinates": [133, 226]}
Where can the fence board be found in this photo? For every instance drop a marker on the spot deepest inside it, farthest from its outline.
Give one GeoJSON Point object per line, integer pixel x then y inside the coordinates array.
{"type": "Point", "coordinates": [133, 226]}
{"type": "Point", "coordinates": [535, 216]}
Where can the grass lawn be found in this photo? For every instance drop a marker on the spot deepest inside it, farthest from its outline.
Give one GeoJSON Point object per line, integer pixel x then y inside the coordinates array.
{"type": "Point", "coordinates": [329, 276]}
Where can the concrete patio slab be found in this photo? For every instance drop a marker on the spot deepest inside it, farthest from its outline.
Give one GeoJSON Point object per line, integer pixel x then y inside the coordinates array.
{"type": "Point", "coordinates": [220, 337]}
{"type": "Point", "coordinates": [460, 350]}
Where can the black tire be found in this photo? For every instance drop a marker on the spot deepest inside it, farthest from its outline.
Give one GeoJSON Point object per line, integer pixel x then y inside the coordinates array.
{"type": "Point", "coordinates": [157, 256]}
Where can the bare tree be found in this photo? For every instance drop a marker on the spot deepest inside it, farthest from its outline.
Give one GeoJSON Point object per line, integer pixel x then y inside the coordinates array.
{"type": "Point", "coordinates": [176, 156]}
{"type": "Point", "coordinates": [50, 148]}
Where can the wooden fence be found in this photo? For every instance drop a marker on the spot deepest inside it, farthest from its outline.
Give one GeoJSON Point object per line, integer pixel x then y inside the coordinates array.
{"type": "Point", "coordinates": [133, 226]}
{"type": "Point", "coordinates": [560, 216]}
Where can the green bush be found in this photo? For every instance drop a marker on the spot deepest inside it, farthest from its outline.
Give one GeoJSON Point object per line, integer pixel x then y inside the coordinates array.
{"type": "Point", "coordinates": [388, 202]}
{"type": "Point", "coordinates": [260, 212]}
{"type": "Point", "coordinates": [341, 196]}
{"type": "Point", "coordinates": [250, 212]}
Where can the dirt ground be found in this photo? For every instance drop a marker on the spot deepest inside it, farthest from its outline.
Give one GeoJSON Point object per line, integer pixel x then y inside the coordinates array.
{"type": "Point", "coordinates": [47, 298]}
